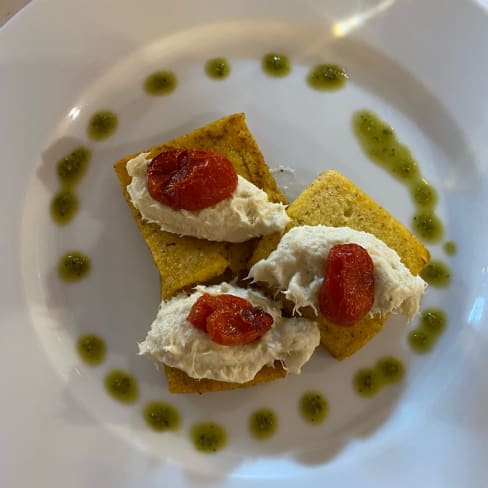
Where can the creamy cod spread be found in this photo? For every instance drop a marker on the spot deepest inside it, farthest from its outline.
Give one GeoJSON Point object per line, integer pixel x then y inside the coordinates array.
{"type": "Point", "coordinates": [175, 342]}
{"type": "Point", "coordinates": [246, 214]}
{"type": "Point", "coordinates": [297, 268]}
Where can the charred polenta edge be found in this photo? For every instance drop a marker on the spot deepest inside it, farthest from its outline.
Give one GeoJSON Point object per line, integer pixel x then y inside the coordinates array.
{"type": "Point", "coordinates": [229, 136]}
{"type": "Point", "coordinates": [331, 199]}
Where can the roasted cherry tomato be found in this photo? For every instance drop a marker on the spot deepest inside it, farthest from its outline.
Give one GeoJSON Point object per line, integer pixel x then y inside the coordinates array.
{"type": "Point", "coordinates": [206, 304]}
{"type": "Point", "coordinates": [190, 179]}
{"type": "Point", "coordinates": [347, 292]}
{"type": "Point", "coordinates": [228, 319]}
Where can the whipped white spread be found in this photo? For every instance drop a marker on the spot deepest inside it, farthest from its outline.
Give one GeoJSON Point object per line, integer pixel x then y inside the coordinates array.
{"type": "Point", "coordinates": [174, 341]}
{"type": "Point", "coordinates": [297, 266]}
{"type": "Point", "coordinates": [247, 213]}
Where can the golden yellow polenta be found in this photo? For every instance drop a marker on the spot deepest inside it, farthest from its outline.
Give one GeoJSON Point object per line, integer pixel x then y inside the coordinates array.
{"type": "Point", "coordinates": [333, 200]}
{"type": "Point", "coordinates": [180, 382]}
{"type": "Point", "coordinates": [185, 261]}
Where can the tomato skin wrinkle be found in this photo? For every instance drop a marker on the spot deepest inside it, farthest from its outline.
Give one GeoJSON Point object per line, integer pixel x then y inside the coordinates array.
{"type": "Point", "coordinates": [347, 292]}
{"type": "Point", "coordinates": [228, 319]}
{"type": "Point", "coordinates": [190, 179]}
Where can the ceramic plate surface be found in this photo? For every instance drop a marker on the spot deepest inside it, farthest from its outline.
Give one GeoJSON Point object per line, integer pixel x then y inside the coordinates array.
{"type": "Point", "coordinates": [418, 66]}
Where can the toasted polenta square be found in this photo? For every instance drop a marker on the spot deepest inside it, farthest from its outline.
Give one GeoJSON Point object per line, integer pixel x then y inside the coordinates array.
{"type": "Point", "coordinates": [186, 261]}
{"type": "Point", "coordinates": [332, 200]}
{"type": "Point", "coordinates": [180, 382]}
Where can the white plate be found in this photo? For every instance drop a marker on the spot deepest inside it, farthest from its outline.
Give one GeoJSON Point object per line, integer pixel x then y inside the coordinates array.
{"type": "Point", "coordinates": [420, 66]}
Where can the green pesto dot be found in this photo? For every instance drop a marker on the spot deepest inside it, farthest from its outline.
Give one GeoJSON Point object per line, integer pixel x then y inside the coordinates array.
{"type": "Point", "coordinates": [91, 349]}
{"type": "Point", "coordinates": [434, 320]}
{"type": "Point", "coordinates": [160, 83]}
{"type": "Point", "coordinates": [102, 125]}
{"type": "Point", "coordinates": [450, 248]}
{"type": "Point", "coordinates": [277, 65]}
{"type": "Point", "coordinates": [367, 382]}
{"type": "Point", "coordinates": [161, 416]}
{"type": "Point", "coordinates": [74, 266]}
{"type": "Point", "coordinates": [423, 193]}
{"type": "Point", "coordinates": [64, 206]}
{"type": "Point", "coordinates": [428, 226]}
{"type": "Point", "coordinates": [208, 437]}
{"type": "Point", "coordinates": [313, 407]}
{"type": "Point", "coordinates": [326, 77]}
{"type": "Point", "coordinates": [217, 68]}
{"type": "Point", "coordinates": [421, 340]}
{"type": "Point", "coordinates": [263, 423]}
{"type": "Point", "coordinates": [437, 274]}
{"type": "Point", "coordinates": [122, 386]}
{"type": "Point", "coordinates": [72, 167]}
{"type": "Point", "coordinates": [390, 370]}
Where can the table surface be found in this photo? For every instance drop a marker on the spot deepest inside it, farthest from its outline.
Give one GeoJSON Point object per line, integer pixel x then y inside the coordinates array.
{"type": "Point", "coordinates": [9, 8]}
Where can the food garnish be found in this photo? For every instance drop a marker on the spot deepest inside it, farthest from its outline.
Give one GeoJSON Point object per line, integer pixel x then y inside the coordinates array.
{"type": "Point", "coordinates": [347, 292]}
{"type": "Point", "coordinates": [229, 320]}
{"type": "Point", "coordinates": [190, 179]}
